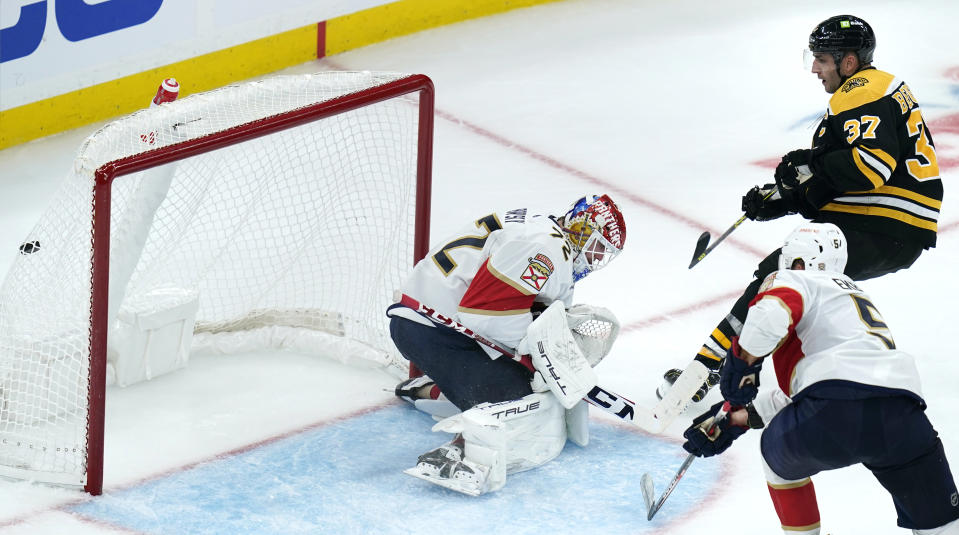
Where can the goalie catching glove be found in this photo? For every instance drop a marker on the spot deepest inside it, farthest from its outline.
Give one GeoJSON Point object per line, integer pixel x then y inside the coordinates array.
{"type": "Point", "coordinates": [564, 347]}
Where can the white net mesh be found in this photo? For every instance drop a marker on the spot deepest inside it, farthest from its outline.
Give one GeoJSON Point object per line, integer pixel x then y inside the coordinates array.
{"type": "Point", "coordinates": [308, 228]}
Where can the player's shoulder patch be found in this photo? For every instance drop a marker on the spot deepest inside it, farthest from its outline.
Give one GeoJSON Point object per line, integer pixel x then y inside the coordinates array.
{"type": "Point", "coordinates": [861, 88]}
{"type": "Point", "coordinates": [538, 271]}
{"type": "Point", "coordinates": [768, 282]}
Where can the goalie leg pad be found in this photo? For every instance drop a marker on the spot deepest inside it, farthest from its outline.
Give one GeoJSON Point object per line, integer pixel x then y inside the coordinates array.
{"type": "Point", "coordinates": [505, 438]}
{"type": "Point", "coordinates": [577, 424]}
{"type": "Point", "coordinates": [557, 356]}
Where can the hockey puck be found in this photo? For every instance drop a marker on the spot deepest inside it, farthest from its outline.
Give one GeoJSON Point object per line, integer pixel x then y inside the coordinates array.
{"type": "Point", "coordinates": [29, 247]}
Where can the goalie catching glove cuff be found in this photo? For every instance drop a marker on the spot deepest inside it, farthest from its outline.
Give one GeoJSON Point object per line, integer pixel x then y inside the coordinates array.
{"type": "Point", "coordinates": [712, 432]}
{"type": "Point", "coordinates": [739, 381]}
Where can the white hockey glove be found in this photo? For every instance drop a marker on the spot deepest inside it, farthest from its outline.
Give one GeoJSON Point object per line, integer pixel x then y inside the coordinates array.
{"type": "Point", "coordinates": [594, 329]}
{"type": "Point", "coordinates": [557, 357]}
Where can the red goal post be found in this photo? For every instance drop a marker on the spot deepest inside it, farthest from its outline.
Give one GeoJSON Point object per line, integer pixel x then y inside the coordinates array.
{"type": "Point", "coordinates": [310, 191]}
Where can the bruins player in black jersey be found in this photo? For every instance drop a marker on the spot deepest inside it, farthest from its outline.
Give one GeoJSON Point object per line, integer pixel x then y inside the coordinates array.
{"type": "Point", "coordinates": [871, 171]}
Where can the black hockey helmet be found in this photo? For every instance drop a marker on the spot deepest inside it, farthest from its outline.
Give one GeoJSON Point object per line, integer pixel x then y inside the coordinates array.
{"type": "Point", "coordinates": [844, 33]}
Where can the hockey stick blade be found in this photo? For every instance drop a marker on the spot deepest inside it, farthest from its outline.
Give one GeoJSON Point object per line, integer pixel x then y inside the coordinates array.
{"type": "Point", "coordinates": [723, 413]}
{"type": "Point", "coordinates": [700, 252]}
{"type": "Point", "coordinates": [701, 245]}
{"type": "Point", "coordinates": [649, 495]}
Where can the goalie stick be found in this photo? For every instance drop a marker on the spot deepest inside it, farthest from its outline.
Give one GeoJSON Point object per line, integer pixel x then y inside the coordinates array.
{"type": "Point", "coordinates": [646, 482]}
{"type": "Point", "coordinates": [608, 401]}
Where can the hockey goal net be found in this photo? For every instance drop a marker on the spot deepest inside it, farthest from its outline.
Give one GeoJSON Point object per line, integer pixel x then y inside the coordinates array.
{"type": "Point", "coordinates": [260, 212]}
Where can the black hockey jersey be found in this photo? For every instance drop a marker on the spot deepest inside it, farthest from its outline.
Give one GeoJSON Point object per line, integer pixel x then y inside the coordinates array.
{"type": "Point", "coordinates": [877, 161]}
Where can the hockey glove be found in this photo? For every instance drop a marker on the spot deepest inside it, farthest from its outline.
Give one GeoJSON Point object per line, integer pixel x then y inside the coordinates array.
{"type": "Point", "coordinates": [739, 381]}
{"type": "Point", "coordinates": [793, 169]}
{"type": "Point", "coordinates": [790, 174]}
{"type": "Point", "coordinates": [764, 204]}
{"type": "Point", "coordinates": [711, 432]}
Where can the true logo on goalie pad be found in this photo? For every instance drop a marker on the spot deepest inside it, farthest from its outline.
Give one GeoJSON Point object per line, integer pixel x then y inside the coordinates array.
{"type": "Point", "coordinates": [514, 411]}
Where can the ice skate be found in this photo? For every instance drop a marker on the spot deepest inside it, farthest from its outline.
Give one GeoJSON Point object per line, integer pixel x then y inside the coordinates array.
{"type": "Point", "coordinates": [445, 466]}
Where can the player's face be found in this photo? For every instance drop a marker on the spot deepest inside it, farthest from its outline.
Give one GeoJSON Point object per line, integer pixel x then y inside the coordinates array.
{"type": "Point", "coordinates": [595, 252]}
{"type": "Point", "coordinates": [824, 66]}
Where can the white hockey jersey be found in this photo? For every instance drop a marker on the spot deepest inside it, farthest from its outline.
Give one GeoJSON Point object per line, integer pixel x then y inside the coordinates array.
{"type": "Point", "coordinates": [831, 330]}
{"type": "Point", "coordinates": [487, 275]}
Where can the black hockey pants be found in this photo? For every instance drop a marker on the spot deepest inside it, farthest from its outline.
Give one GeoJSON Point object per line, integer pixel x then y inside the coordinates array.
{"type": "Point", "coordinates": [458, 365]}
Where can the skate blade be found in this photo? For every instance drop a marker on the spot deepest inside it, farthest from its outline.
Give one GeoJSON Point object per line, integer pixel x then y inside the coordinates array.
{"type": "Point", "coordinates": [443, 482]}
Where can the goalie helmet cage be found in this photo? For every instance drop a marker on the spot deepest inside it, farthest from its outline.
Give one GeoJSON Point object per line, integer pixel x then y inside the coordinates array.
{"type": "Point", "coordinates": [293, 202]}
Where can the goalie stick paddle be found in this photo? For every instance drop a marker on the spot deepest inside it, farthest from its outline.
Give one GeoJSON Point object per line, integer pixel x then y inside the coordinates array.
{"type": "Point", "coordinates": [608, 401]}
{"type": "Point", "coordinates": [646, 482]}
{"type": "Point", "coordinates": [701, 244]}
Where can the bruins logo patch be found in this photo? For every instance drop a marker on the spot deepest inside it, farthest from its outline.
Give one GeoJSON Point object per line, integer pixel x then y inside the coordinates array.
{"type": "Point", "coordinates": [853, 83]}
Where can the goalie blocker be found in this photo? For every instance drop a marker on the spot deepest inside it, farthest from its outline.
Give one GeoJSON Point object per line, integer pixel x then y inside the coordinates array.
{"type": "Point", "coordinates": [560, 364]}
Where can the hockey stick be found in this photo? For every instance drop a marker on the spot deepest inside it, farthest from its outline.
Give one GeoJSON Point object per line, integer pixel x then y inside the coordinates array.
{"type": "Point", "coordinates": [701, 244]}
{"type": "Point", "coordinates": [608, 401]}
{"type": "Point", "coordinates": [646, 482]}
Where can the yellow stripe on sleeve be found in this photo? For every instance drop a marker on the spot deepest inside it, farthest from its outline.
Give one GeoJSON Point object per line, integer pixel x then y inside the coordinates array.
{"type": "Point", "coordinates": [882, 155]}
{"type": "Point", "coordinates": [871, 175]}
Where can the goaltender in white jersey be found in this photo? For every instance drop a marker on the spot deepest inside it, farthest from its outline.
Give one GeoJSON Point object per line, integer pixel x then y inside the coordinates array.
{"type": "Point", "coordinates": [490, 272]}
{"type": "Point", "coordinates": [508, 277]}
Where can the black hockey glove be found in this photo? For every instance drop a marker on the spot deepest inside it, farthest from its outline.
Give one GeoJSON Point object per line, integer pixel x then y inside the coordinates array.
{"type": "Point", "coordinates": [764, 204]}
{"type": "Point", "coordinates": [738, 381]}
{"type": "Point", "coordinates": [790, 173]}
{"type": "Point", "coordinates": [704, 440]}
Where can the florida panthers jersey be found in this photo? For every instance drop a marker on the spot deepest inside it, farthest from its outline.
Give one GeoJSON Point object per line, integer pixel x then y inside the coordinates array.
{"type": "Point", "coordinates": [487, 275]}
{"type": "Point", "coordinates": [830, 330]}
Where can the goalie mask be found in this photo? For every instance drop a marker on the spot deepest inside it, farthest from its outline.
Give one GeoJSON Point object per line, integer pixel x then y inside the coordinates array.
{"type": "Point", "coordinates": [594, 226]}
{"type": "Point", "coordinates": [819, 246]}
